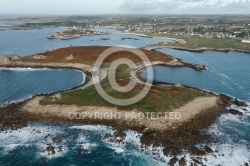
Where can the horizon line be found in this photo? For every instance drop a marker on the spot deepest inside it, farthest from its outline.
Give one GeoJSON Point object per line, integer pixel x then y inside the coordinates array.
{"type": "Point", "coordinates": [119, 14]}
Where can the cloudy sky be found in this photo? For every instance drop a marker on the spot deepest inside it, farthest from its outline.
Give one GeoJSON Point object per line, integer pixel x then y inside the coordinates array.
{"type": "Point", "coordinates": [125, 7]}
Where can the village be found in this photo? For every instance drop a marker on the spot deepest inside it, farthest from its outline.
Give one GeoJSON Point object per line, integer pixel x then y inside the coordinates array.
{"type": "Point", "coordinates": [208, 26]}
{"type": "Point", "coordinates": [75, 32]}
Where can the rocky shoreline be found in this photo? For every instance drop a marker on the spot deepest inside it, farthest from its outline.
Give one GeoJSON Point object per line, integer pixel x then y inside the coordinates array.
{"type": "Point", "coordinates": [182, 41]}
{"type": "Point", "coordinates": [226, 50]}
{"type": "Point", "coordinates": [189, 133]}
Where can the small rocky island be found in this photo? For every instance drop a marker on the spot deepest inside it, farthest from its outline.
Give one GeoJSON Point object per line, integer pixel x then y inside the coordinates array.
{"type": "Point", "coordinates": [74, 33]}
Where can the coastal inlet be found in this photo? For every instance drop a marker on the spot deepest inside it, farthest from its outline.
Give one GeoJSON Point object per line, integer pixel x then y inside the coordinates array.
{"type": "Point", "coordinates": [18, 84]}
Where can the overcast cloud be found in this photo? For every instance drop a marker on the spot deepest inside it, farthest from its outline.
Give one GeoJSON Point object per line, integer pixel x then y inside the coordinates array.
{"type": "Point", "coordinates": [188, 6]}
{"type": "Point", "coordinates": [125, 7]}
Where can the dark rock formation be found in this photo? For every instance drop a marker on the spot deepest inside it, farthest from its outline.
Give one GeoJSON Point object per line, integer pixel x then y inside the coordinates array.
{"type": "Point", "coordinates": [51, 150]}
{"type": "Point", "coordinates": [235, 112]}
{"type": "Point", "coordinates": [240, 103]}
{"type": "Point", "coordinates": [208, 149]}
{"type": "Point", "coordinates": [182, 162]}
{"type": "Point", "coordinates": [120, 134]}
{"type": "Point", "coordinates": [200, 67]}
{"type": "Point", "coordinates": [173, 161]}
{"type": "Point", "coordinates": [57, 140]}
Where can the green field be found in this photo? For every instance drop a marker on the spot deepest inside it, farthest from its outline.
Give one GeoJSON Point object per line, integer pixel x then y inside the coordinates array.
{"type": "Point", "coordinates": [160, 98]}
{"type": "Point", "coordinates": [197, 43]}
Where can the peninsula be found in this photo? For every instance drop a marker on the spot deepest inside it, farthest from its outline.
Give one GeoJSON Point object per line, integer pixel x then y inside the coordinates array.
{"type": "Point", "coordinates": [196, 109]}
{"type": "Point", "coordinates": [197, 43]}
{"type": "Point", "coordinates": [74, 33]}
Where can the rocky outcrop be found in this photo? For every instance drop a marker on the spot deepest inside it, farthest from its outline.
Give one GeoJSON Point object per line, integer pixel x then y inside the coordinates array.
{"type": "Point", "coordinates": [173, 161]}
{"type": "Point", "coordinates": [201, 49]}
{"type": "Point", "coordinates": [200, 67]}
{"type": "Point", "coordinates": [9, 58]}
{"type": "Point", "coordinates": [69, 58]}
{"type": "Point", "coordinates": [57, 140]}
{"type": "Point", "coordinates": [240, 103]}
{"type": "Point", "coordinates": [182, 162]}
{"type": "Point", "coordinates": [208, 149]}
{"type": "Point", "coordinates": [178, 85]}
{"type": "Point", "coordinates": [235, 112]}
{"type": "Point", "coordinates": [50, 150]}
{"type": "Point", "coordinates": [38, 57]}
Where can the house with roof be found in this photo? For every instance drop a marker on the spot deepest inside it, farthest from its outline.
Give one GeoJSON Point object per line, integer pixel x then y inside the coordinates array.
{"type": "Point", "coordinates": [246, 40]}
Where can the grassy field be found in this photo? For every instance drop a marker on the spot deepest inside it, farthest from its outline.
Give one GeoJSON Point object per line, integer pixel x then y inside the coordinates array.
{"type": "Point", "coordinates": [204, 43]}
{"type": "Point", "coordinates": [158, 99]}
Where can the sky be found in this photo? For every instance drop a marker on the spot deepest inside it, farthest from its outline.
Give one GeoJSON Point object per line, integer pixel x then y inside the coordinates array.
{"type": "Point", "coordinates": [82, 7]}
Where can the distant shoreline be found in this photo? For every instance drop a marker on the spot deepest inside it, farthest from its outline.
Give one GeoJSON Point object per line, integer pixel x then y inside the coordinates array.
{"type": "Point", "coordinates": [226, 50]}
{"type": "Point", "coordinates": [182, 41]}
{"type": "Point", "coordinates": [147, 36]}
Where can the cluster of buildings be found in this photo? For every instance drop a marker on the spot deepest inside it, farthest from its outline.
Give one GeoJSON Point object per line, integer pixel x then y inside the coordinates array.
{"type": "Point", "coordinates": [202, 26]}
{"type": "Point", "coordinates": [202, 31]}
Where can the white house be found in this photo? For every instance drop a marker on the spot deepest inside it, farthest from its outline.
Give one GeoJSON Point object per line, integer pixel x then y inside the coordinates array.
{"type": "Point", "coordinates": [245, 40]}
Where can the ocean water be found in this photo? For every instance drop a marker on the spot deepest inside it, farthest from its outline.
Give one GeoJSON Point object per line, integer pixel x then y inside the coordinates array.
{"type": "Point", "coordinates": [226, 73]}
{"type": "Point", "coordinates": [18, 84]}
{"type": "Point", "coordinates": [81, 145]}
{"type": "Point", "coordinates": [29, 42]}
